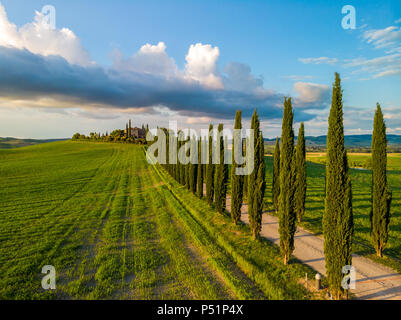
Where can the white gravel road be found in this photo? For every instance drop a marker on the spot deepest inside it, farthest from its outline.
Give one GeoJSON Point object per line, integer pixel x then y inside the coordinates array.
{"type": "Point", "coordinates": [373, 280]}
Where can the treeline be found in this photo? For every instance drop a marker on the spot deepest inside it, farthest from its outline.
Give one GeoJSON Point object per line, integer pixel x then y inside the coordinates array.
{"type": "Point", "coordinates": [269, 149]}
{"type": "Point", "coordinates": [118, 135]}
{"type": "Point", "coordinates": [210, 181]}
{"type": "Point", "coordinates": [289, 190]}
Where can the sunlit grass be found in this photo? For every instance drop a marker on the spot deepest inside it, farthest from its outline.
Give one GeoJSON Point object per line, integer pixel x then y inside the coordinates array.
{"type": "Point", "coordinates": [116, 228]}
{"type": "Point", "coordinates": [361, 189]}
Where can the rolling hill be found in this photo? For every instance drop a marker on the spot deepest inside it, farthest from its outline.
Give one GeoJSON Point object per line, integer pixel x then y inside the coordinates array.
{"type": "Point", "coordinates": [11, 143]}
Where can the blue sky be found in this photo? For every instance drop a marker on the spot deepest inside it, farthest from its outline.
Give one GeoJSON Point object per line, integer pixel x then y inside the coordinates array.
{"type": "Point", "coordinates": [291, 48]}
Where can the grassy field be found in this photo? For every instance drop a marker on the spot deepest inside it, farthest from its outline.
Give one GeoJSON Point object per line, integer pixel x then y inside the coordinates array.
{"type": "Point", "coordinates": [115, 227]}
{"type": "Point", "coordinates": [361, 188]}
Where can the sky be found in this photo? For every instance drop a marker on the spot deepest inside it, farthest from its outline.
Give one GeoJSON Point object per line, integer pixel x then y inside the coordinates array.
{"type": "Point", "coordinates": [92, 65]}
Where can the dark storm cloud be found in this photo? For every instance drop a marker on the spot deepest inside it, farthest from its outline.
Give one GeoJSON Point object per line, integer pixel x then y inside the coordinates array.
{"type": "Point", "coordinates": [26, 76]}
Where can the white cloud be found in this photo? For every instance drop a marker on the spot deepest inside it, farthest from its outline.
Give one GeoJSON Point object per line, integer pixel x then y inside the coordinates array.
{"type": "Point", "coordinates": [200, 120]}
{"type": "Point", "coordinates": [388, 73]}
{"type": "Point", "coordinates": [383, 38]}
{"type": "Point", "coordinates": [239, 78]}
{"type": "Point", "coordinates": [397, 21]}
{"type": "Point", "coordinates": [311, 93]}
{"type": "Point", "coordinates": [297, 77]}
{"type": "Point", "coordinates": [378, 67]}
{"type": "Point", "coordinates": [39, 38]}
{"type": "Point", "coordinates": [202, 65]}
{"type": "Point", "coordinates": [320, 60]}
{"type": "Point", "coordinates": [151, 59]}
{"type": "Point", "coordinates": [389, 40]}
{"type": "Point", "coordinates": [357, 120]}
{"type": "Point", "coordinates": [48, 70]}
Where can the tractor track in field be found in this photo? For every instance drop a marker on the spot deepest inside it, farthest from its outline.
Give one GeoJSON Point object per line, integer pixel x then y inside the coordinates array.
{"type": "Point", "coordinates": [235, 270]}
{"type": "Point", "coordinates": [87, 250]}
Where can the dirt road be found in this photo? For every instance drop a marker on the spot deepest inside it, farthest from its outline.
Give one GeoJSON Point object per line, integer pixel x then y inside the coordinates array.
{"type": "Point", "coordinates": [373, 281]}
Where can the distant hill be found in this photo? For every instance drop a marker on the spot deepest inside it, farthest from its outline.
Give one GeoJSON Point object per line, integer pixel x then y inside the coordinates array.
{"type": "Point", "coordinates": [11, 143]}
{"type": "Point", "coordinates": [361, 141]}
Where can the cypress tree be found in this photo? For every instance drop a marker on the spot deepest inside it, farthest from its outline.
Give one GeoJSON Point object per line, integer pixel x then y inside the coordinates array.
{"type": "Point", "coordinates": [210, 169]}
{"type": "Point", "coordinates": [173, 140]}
{"type": "Point", "coordinates": [187, 166]}
{"type": "Point", "coordinates": [177, 166]}
{"type": "Point", "coordinates": [256, 180]}
{"type": "Point", "coordinates": [126, 130]}
{"type": "Point", "coordinates": [182, 166]}
{"type": "Point", "coordinates": [300, 167]}
{"type": "Point", "coordinates": [187, 176]}
{"type": "Point", "coordinates": [381, 194]}
{"type": "Point", "coordinates": [276, 175]}
{"type": "Point", "coordinates": [183, 174]}
{"type": "Point", "coordinates": [337, 218]}
{"type": "Point", "coordinates": [287, 214]}
{"type": "Point", "coordinates": [193, 166]}
{"type": "Point", "coordinates": [129, 132]}
{"type": "Point", "coordinates": [204, 160]}
{"type": "Point", "coordinates": [200, 170]}
{"type": "Point", "coordinates": [260, 185]}
{"type": "Point", "coordinates": [237, 181]}
{"type": "Point", "coordinates": [251, 181]}
{"type": "Point", "coordinates": [187, 185]}
{"type": "Point", "coordinates": [204, 165]}
{"type": "Point", "coordinates": [221, 175]}
{"type": "Point", "coordinates": [245, 188]}
{"type": "Point", "coordinates": [167, 165]}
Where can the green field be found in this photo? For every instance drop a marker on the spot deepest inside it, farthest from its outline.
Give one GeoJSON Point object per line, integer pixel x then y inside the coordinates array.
{"type": "Point", "coordinates": [115, 227]}
{"type": "Point", "coordinates": [361, 189]}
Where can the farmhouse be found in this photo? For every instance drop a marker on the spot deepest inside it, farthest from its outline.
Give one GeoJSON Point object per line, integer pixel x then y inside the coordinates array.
{"type": "Point", "coordinates": [137, 133]}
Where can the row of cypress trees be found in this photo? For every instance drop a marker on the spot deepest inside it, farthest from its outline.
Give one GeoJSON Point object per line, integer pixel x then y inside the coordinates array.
{"type": "Point", "coordinates": [194, 173]}
{"type": "Point", "coordinates": [289, 185]}
{"type": "Point", "coordinates": [289, 189]}
{"type": "Point", "coordinates": [215, 175]}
